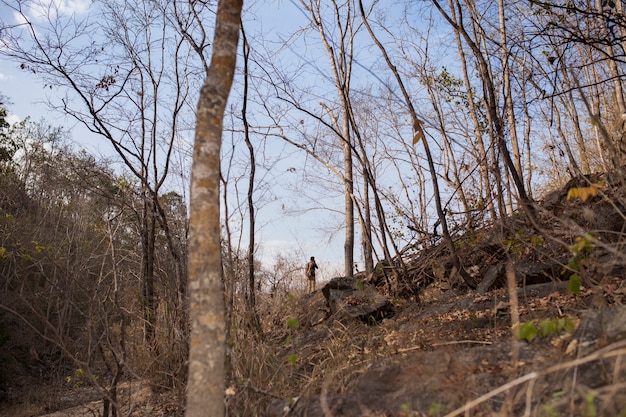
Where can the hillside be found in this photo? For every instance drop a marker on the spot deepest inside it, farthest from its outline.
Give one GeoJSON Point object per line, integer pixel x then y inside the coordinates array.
{"type": "Point", "coordinates": [453, 347]}
{"type": "Point", "coordinates": [444, 349]}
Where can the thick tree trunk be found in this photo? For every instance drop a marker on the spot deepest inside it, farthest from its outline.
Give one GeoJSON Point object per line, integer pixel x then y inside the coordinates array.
{"type": "Point", "coordinates": [348, 247]}
{"type": "Point", "coordinates": [205, 386]}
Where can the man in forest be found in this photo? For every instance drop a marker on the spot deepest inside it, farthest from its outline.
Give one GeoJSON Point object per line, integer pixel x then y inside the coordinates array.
{"type": "Point", "coordinates": [311, 266]}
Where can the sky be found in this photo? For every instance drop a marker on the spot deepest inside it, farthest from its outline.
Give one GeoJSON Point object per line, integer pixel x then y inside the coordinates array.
{"type": "Point", "coordinates": [301, 235]}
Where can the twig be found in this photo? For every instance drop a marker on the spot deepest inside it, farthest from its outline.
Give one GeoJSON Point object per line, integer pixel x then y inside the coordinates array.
{"type": "Point", "coordinates": [515, 323]}
{"type": "Point", "coordinates": [461, 342]}
{"type": "Point", "coordinates": [514, 303]}
{"type": "Point", "coordinates": [453, 342]}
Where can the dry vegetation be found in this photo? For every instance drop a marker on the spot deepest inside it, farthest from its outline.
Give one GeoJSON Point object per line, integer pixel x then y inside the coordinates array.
{"type": "Point", "coordinates": [305, 352]}
{"type": "Point", "coordinates": [318, 355]}
{"type": "Point", "coordinates": [443, 334]}
{"type": "Point", "coordinates": [503, 312]}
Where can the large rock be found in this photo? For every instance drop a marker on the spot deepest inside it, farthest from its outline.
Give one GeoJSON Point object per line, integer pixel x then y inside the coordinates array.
{"type": "Point", "coordinates": [526, 273]}
{"type": "Point", "coordinates": [352, 298]}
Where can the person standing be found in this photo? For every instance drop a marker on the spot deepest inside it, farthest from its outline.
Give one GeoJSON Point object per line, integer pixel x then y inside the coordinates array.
{"type": "Point", "coordinates": [311, 266]}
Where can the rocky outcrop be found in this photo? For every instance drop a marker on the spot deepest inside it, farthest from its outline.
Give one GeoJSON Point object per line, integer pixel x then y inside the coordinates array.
{"type": "Point", "coordinates": [353, 299]}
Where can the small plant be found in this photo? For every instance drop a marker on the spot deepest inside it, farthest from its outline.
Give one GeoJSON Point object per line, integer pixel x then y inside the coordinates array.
{"type": "Point", "coordinates": [436, 409]}
{"type": "Point", "coordinates": [77, 380]}
{"type": "Point", "coordinates": [292, 325]}
{"type": "Point", "coordinates": [584, 193]}
{"type": "Point", "coordinates": [529, 331]}
{"type": "Point", "coordinates": [580, 250]}
{"type": "Point", "coordinates": [590, 406]}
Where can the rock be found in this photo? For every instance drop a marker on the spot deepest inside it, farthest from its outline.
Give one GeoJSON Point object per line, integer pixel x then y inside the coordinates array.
{"type": "Point", "coordinates": [352, 298]}
{"type": "Point", "coordinates": [600, 328]}
{"type": "Point", "coordinates": [490, 278]}
{"type": "Point", "coordinates": [526, 273]}
{"type": "Point", "coordinates": [530, 273]}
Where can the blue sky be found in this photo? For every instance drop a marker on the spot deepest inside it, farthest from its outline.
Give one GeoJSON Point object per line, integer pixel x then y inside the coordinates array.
{"type": "Point", "coordinates": [285, 225]}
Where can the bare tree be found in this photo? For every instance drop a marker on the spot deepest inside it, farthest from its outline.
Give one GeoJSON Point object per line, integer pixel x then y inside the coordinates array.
{"type": "Point", "coordinates": [496, 122]}
{"type": "Point", "coordinates": [205, 388]}
{"type": "Point", "coordinates": [74, 295]}
{"type": "Point", "coordinates": [340, 56]}
{"type": "Point", "coordinates": [121, 83]}
{"type": "Point", "coordinates": [419, 136]}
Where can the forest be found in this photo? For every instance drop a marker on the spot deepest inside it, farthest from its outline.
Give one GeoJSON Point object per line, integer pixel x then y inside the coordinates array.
{"type": "Point", "coordinates": [423, 147]}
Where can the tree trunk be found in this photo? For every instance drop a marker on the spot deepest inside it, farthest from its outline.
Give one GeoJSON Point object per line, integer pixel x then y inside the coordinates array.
{"type": "Point", "coordinates": [252, 313]}
{"type": "Point", "coordinates": [340, 56]}
{"type": "Point", "coordinates": [205, 386]}
{"type": "Point", "coordinates": [366, 227]}
{"type": "Point", "coordinates": [478, 134]}
{"type": "Point", "coordinates": [148, 235]}
{"type": "Point", "coordinates": [508, 92]}
{"type": "Point", "coordinates": [348, 248]}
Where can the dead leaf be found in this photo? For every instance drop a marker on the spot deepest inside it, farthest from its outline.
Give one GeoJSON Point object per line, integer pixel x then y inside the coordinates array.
{"type": "Point", "coordinates": [584, 193]}
{"type": "Point", "coordinates": [571, 347]}
{"type": "Point", "coordinates": [419, 132]}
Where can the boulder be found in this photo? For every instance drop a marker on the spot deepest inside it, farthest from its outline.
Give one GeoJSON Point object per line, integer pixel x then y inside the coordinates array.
{"type": "Point", "coordinates": [526, 273]}
{"type": "Point", "coordinates": [353, 299]}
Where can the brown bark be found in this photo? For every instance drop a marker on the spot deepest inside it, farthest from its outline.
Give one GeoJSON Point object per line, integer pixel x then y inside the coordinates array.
{"type": "Point", "coordinates": [205, 386]}
{"type": "Point", "coordinates": [254, 317]}
{"type": "Point", "coordinates": [508, 91]}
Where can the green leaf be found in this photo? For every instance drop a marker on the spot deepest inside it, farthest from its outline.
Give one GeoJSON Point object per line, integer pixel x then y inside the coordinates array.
{"type": "Point", "coordinates": [527, 331]}
{"type": "Point", "coordinates": [548, 327]}
{"type": "Point", "coordinates": [573, 286]}
{"type": "Point", "coordinates": [573, 264]}
{"type": "Point", "coordinates": [292, 359]}
{"type": "Point", "coordinates": [292, 323]}
{"type": "Point", "coordinates": [567, 324]}
{"type": "Point", "coordinates": [590, 405]}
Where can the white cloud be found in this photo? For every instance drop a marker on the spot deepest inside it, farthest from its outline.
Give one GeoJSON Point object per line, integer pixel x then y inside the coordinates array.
{"type": "Point", "coordinates": [5, 77]}
{"type": "Point", "coordinates": [46, 9]}
{"type": "Point", "coordinates": [19, 18]}
{"type": "Point", "coordinates": [74, 6]}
